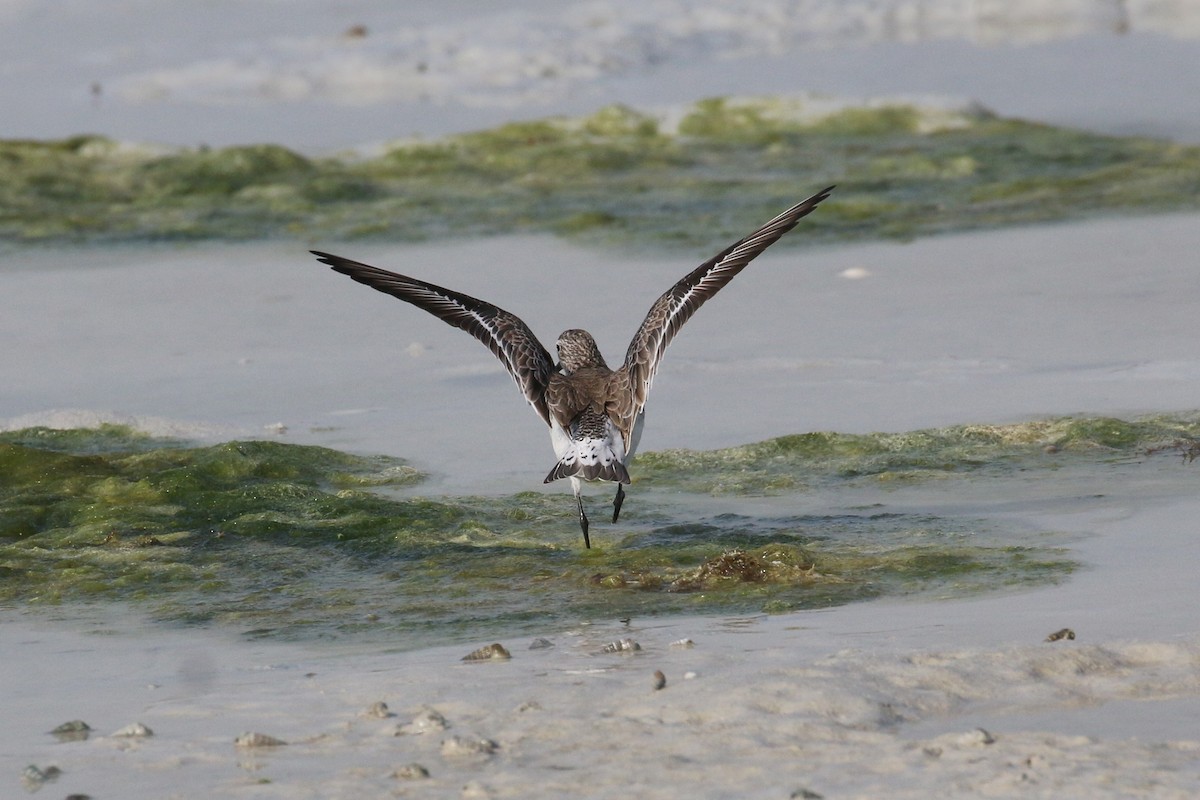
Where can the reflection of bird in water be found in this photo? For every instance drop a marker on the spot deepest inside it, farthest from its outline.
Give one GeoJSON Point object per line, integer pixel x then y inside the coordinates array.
{"type": "Point", "coordinates": [594, 413]}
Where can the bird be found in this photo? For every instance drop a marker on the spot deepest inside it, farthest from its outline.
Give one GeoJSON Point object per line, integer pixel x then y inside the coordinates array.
{"type": "Point", "coordinates": [594, 413]}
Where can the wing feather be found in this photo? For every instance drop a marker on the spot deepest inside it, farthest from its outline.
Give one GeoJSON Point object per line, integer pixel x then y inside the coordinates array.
{"type": "Point", "coordinates": [680, 302]}
{"type": "Point", "coordinates": [505, 334]}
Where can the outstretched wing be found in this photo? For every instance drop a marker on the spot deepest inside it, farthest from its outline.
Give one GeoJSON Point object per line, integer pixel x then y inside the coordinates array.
{"type": "Point", "coordinates": [677, 305]}
{"type": "Point", "coordinates": [504, 334]}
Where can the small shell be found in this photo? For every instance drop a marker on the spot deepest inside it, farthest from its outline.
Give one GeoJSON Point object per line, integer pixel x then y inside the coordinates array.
{"type": "Point", "coordinates": [134, 730]}
{"type": "Point", "coordinates": [493, 652]}
{"type": "Point", "coordinates": [460, 747]}
{"type": "Point", "coordinates": [660, 680]}
{"type": "Point", "coordinates": [683, 644]}
{"type": "Point", "coordinates": [976, 738]}
{"type": "Point", "coordinates": [411, 772]}
{"type": "Point", "coordinates": [690, 675]}
{"type": "Point", "coordinates": [1065, 633]}
{"type": "Point", "coordinates": [623, 646]}
{"type": "Point", "coordinates": [33, 777]}
{"type": "Point", "coordinates": [427, 721]}
{"type": "Point", "coordinates": [257, 740]}
{"type": "Point", "coordinates": [379, 710]}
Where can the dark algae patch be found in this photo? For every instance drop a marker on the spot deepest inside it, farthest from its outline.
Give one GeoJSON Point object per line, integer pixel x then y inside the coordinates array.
{"type": "Point", "coordinates": [813, 460]}
{"type": "Point", "coordinates": [285, 540]}
{"type": "Point", "coordinates": [619, 176]}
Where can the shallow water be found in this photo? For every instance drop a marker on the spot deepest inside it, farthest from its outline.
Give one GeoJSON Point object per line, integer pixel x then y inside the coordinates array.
{"type": "Point", "coordinates": [289, 541]}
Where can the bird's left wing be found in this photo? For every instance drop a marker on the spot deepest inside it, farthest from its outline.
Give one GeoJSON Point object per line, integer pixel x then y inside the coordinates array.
{"type": "Point", "coordinates": [678, 303]}
{"type": "Point", "coordinates": [505, 334]}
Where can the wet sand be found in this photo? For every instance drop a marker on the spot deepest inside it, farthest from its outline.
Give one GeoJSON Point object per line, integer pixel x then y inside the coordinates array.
{"type": "Point", "coordinates": [952, 699]}
{"type": "Point", "coordinates": [859, 701]}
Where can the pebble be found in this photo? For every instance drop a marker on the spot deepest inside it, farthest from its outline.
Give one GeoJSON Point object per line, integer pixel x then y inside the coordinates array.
{"type": "Point", "coordinates": [257, 740]}
{"type": "Point", "coordinates": [690, 676]}
{"type": "Point", "coordinates": [74, 731]}
{"type": "Point", "coordinates": [493, 652]}
{"type": "Point", "coordinates": [427, 721]}
{"type": "Point", "coordinates": [540, 644]}
{"type": "Point", "coordinates": [660, 680]}
{"type": "Point", "coordinates": [134, 730]}
{"type": "Point", "coordinates": [623, 646]}
{"type": "Point", "coordinates": [976, 738]}
{"type": "Point", "coordinates": [33, 777]}
{"type": "Point", "coordinates": [1065, 633]}
{"type": "Point", "coordinates": [379, 710]}
{"type": "Point", "coordinates": [411, 772]}
{"type": "Point", "coordinates": [474, 790]}
{"type": "Point", "coordinates": [461, 746]}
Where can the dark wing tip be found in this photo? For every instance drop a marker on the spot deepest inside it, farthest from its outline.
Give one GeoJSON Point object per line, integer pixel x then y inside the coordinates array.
{"type": "Point", "coordinates": [337, 262]}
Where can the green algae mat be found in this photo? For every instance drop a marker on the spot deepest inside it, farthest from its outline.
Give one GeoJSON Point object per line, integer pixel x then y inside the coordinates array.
{"type": "Point", "coordinates": [619, 176]}
{"type": "Point", "coordinates": [296, 541]}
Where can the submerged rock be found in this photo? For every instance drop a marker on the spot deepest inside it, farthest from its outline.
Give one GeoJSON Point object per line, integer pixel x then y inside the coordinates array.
{"type": "Point", "coordinates": [1065, 633]}
{"type": "Point", "coordinates": [411, 772]}
{"type": "Point", "coordinates": [74, 731]}
{"type": "Point", "coordinates": [379, 710]}
{"type": "Point", "coordinates": [33, 776]}
{"type": "Point", "coordinates": [426, 721]}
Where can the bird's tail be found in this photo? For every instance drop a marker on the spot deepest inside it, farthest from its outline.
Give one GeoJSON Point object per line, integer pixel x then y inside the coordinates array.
{"type": "Point", "coordinates": [591, 461]}
{"type": "Point", "coordinates": [593, 450]}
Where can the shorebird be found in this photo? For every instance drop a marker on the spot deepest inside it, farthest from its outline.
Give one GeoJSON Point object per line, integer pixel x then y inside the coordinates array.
{"type": "Point", "coordinates": [594, 413]}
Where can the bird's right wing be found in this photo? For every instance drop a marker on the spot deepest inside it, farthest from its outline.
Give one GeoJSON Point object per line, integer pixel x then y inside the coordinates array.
{"type": "Point", "coordinates": [526, 360]}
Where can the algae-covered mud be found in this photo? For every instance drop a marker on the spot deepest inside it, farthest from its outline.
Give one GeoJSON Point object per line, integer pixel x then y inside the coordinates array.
{"type": "Point", "coordinates": [295, 541]}
{"type": "Point", "coordinates": [812, 460]}
{"type": "Point", "coordinates": [698, 176]}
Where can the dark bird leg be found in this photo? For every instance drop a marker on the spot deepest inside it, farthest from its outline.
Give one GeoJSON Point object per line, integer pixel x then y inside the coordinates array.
{"type": "Point", "coordinates": [583, 523]}
{"type": "Point", "coordinates": [617, 501]}
{"type": "Point", "coordinates": [583, 520]}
